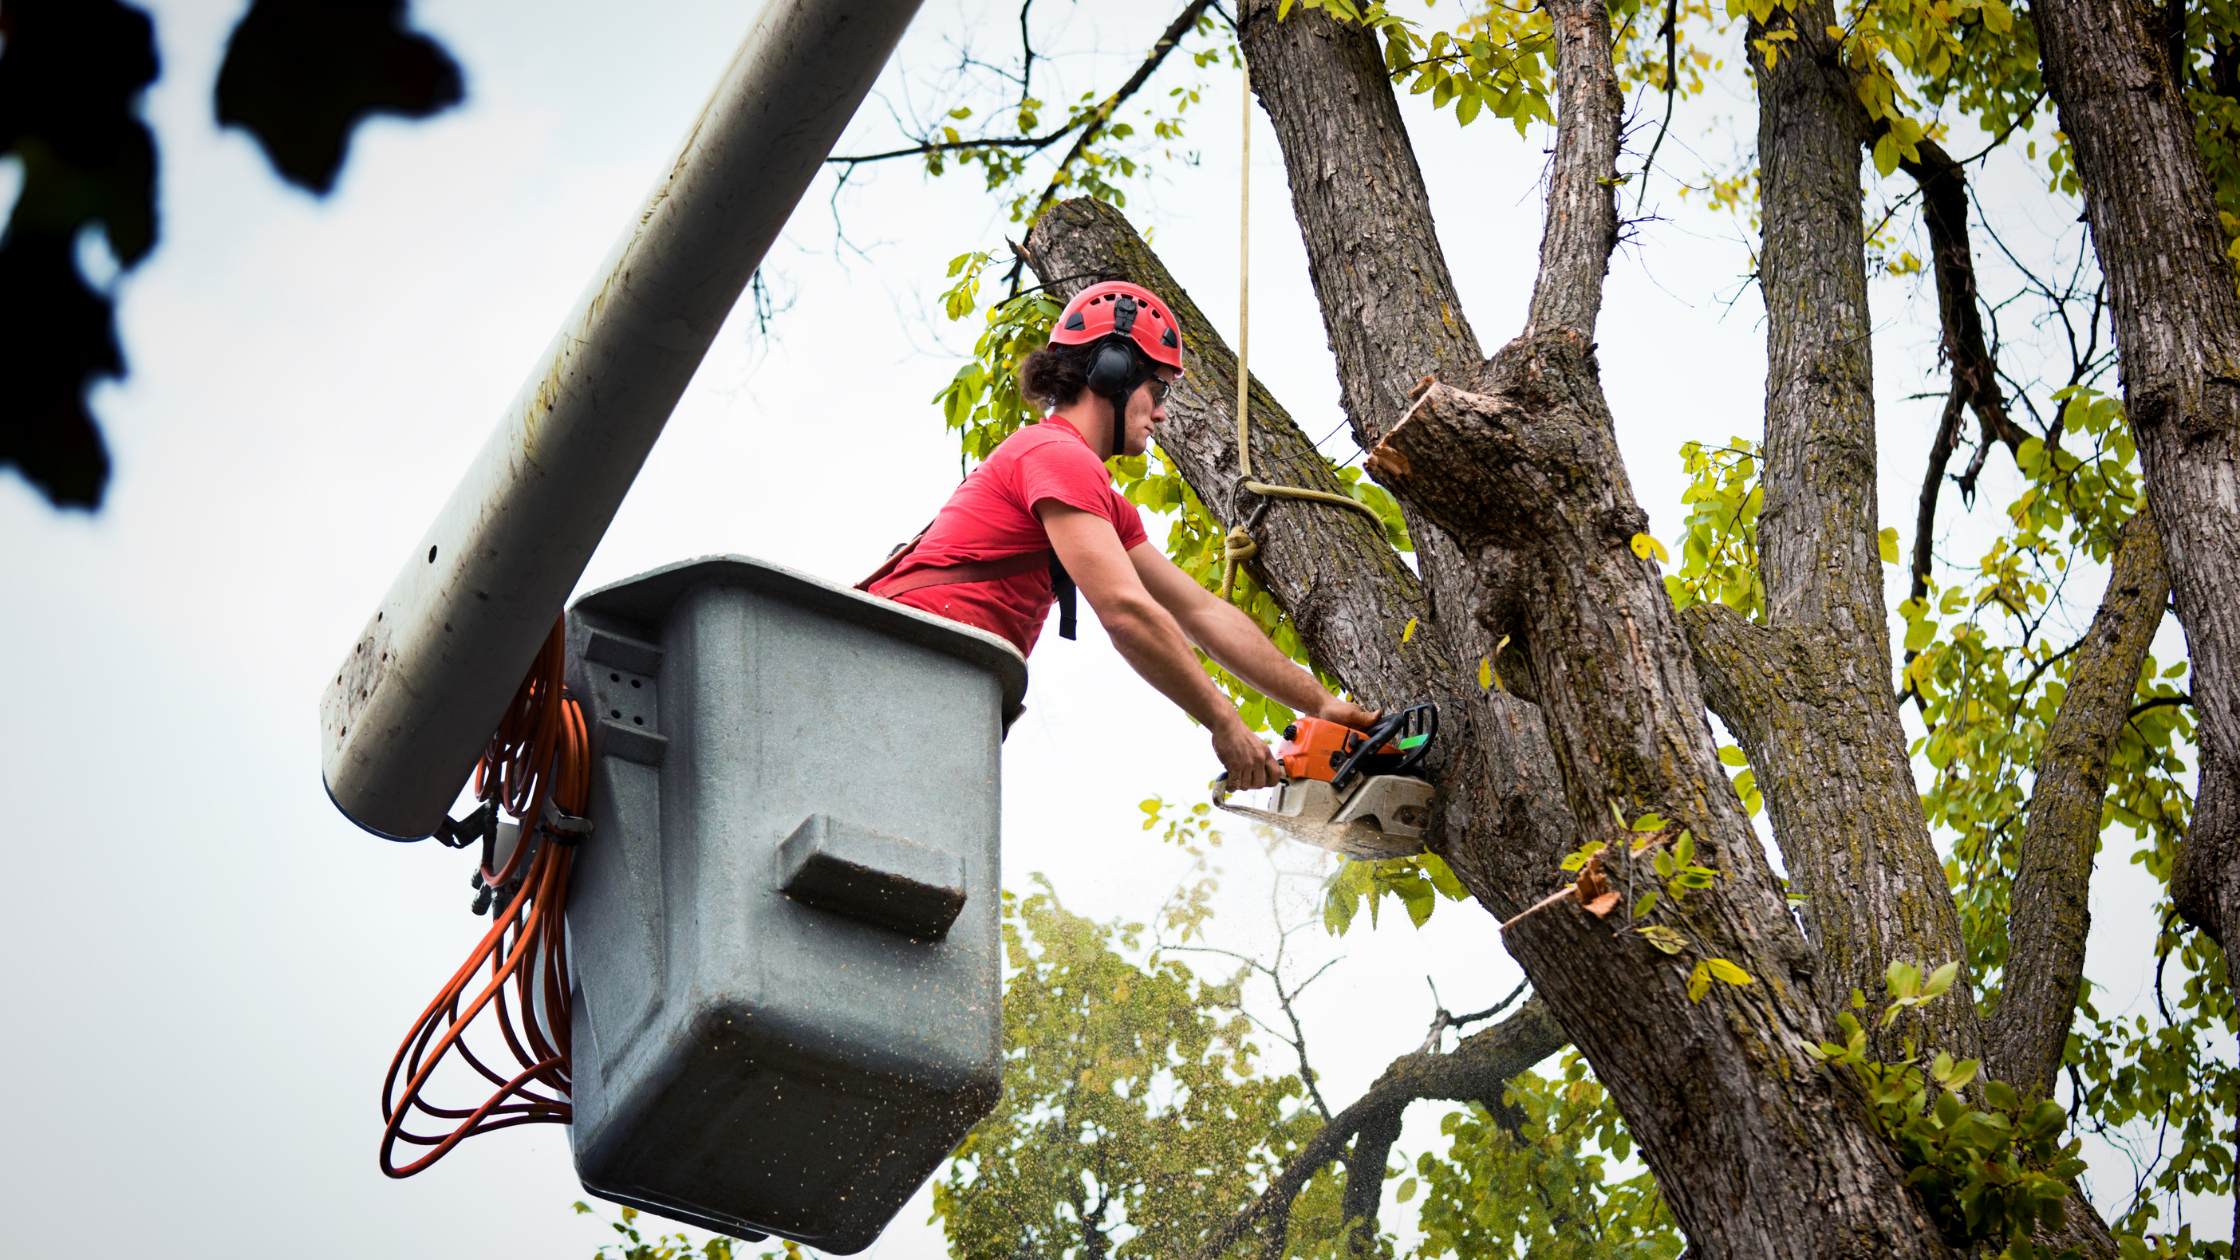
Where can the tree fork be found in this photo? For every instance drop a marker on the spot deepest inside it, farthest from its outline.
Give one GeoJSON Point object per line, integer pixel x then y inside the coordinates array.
{"type": "Point", "coordinates": [1757, 1148]}
{"type": "Point", "coordinates": [1476, 1070]}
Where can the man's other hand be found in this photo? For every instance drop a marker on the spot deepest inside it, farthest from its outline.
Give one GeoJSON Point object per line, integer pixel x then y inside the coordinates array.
{"type": "Point", "coordinates": [1348, 714]}
{"type": "Point", "coordinates": [1249, 761]}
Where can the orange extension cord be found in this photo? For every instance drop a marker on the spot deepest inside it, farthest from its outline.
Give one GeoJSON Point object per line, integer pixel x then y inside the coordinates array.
{"type": "Point", "coordinates": [540, 751]}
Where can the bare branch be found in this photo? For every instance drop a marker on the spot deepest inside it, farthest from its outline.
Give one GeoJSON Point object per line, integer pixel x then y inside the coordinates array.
{"type": "Point", "coordinates": [1475, 1071]}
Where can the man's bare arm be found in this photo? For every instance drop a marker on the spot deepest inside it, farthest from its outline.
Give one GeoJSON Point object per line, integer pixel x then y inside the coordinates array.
{"type": "Point", "coordinates": [1148, 637]}
{"type": "Point", "coordinates": [1229, 635]}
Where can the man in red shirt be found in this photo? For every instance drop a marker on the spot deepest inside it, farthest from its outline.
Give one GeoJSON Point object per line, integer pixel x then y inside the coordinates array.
{"type": "Point", "coordinates": [1040, 516]}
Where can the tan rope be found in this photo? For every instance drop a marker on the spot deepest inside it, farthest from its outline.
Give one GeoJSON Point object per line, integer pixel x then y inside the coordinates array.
{"type": "Point", "coordinates": [1244, 289]}
{"type": "Point", "coordinates": [1238, 545]}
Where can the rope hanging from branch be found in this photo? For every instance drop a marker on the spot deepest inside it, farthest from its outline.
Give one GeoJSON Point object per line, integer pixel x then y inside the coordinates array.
{"type": "Point", "coordinates": [1238, 546]}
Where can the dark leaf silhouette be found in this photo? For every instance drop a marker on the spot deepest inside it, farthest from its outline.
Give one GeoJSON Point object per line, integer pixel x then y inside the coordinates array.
{"type": "Point", "coordinates": [299, 75]}
{"type": "Point", "coordinates": [70, 80]}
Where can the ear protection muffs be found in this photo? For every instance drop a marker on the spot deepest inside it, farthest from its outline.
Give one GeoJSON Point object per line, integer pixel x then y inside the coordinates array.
{"type": "Point", "coordinates": [1117, 371]}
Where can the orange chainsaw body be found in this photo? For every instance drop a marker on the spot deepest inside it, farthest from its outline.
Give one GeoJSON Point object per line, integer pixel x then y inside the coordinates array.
{"type": "Point", "coordinates": [1314, 749]}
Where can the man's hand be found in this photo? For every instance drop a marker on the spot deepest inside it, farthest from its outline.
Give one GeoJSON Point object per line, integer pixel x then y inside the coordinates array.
{"type": "Point", "coordinates": [1249, 761]}
{"type": "Point", "coordinates": [1347, 713]}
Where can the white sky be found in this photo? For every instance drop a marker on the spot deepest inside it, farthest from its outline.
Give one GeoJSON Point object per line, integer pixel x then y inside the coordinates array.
{"type": "Point", "coordinates": [213, 967]}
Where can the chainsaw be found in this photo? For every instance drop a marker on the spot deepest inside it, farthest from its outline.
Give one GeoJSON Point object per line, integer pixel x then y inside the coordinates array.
{"type": "Point", "coordinates": [1351, 792]}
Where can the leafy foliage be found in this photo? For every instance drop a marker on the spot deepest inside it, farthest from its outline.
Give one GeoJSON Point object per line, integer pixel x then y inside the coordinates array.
{"type": "Point", "coordinates": [1134, 1117]}
{"type": "Point", "coordinates": [1991, 1169]}
{"type": "Point", "coordinates": [1537, 1180]}
{"type": "Point", "coordinates": [1719, 550]}
{"type": "Point", "coordinates": [1418, 882]}
{"type": "Point", "coordinates": [1989, 679]}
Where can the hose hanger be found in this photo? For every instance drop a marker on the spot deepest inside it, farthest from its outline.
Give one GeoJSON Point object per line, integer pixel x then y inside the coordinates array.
{"type": "Point", "coordinates": [1238, 545]}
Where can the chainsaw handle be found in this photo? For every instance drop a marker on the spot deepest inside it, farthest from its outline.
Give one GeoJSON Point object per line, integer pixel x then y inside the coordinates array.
{"type": "Point", "coordinates": [1220, 786]}
{"type": "Point", "coordinates": [1416, 719]}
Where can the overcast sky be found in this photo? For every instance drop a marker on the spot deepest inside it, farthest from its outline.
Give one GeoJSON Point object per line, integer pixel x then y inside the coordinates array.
{"type": "Point", "coordinates": [212, 967]}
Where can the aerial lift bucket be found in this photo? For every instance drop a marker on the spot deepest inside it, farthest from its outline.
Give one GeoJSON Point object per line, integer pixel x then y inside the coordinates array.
{"type": "Point", "coordinates": [785, 934]}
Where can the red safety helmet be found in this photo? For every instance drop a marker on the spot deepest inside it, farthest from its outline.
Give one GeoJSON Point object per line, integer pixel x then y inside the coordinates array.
{"type": "Point", "coordinates": [1117, 308]}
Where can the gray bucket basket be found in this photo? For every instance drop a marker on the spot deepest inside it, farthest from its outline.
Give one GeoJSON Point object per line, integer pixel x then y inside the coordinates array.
{"type": "Point", "coordinates": [785, 924]}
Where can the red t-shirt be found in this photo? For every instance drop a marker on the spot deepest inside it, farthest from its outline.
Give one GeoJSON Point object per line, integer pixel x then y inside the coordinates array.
{"type": "Point", "coordinates": [991, 516]}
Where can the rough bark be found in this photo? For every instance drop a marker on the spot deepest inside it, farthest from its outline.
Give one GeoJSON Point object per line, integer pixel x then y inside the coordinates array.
{"type": "Point", "coordinates": [2206, 884]}
{"type": "Point", "coordinates": [1388, 301]}
{"type": "Point", "coordinates": [2177, 317]}
{"type": "Point", "coordinates": [2045, 961]}
{"type": "Point", "coordinates": [1474, 1071]}
{"type": "Point", "coordinates": [2177, 331]}
{"type": "Point", "coordinates": [1809, 694]}
{"type": "Point", "coordinates": [1501, 820]}
{"type": "Point", "coordinates": [1759, 1150]}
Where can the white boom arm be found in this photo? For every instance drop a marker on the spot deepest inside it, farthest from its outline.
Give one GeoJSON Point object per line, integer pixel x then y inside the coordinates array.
{"type": "Point", "coordinates": [419, 693]}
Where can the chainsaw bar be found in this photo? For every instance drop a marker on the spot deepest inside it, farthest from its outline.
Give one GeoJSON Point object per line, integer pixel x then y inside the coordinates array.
{"type": "Point", "coordinates": [1383, 817]}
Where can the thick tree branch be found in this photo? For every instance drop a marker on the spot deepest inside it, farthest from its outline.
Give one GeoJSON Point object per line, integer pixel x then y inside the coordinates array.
{"type": "Point", "coordinates": [2045, 961]}
{"type": "Point", "coordinates": [1809, 697]}
{"type": "Point", "coordinates": [1475, 1071]}
{"type": "Point", "coordinates": [1389, 304]}
{"type": "Point", "coordinates": [1582, 181]}
{"type": "Point", "coordinates": [1392, 314]}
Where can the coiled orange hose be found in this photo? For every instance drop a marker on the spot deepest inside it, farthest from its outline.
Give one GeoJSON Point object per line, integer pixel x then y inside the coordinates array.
{"type": "Point", "coordinates": [541, 751]}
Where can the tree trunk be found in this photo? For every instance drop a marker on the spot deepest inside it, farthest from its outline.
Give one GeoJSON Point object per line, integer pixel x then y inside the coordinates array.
{"type": "Point", "coordinates": [1809, 696]}
{"type": "Point", "coordinates": [2177, 329]}
{"type": "Point", "coordinates": [1395, 314]}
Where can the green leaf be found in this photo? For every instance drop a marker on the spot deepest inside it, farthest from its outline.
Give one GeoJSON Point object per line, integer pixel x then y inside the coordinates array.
{"type": "Point", "coordinates": [1885, 156]}
{"type": "Point", "coordinates": [1731, 754]}
{"type": "Point", "coordinates": [1940, 980]}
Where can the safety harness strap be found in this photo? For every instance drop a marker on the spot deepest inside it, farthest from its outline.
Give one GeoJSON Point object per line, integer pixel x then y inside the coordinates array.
{"type": "Point", "coordinates": [1061, 582]}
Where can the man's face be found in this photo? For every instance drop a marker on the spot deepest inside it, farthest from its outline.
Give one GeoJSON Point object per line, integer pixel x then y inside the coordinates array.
{"type": "Point", "coordinates": [1147, 408]}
